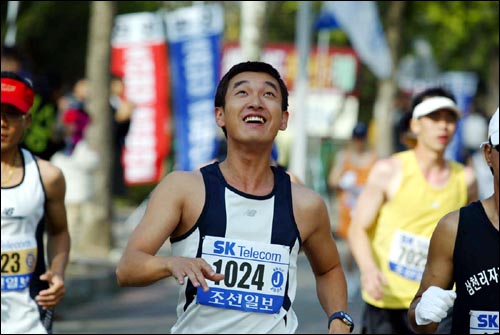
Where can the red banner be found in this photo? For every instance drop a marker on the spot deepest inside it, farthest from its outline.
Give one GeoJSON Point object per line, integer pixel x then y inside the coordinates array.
{"type": "Point", "coordinates": [139, 53]}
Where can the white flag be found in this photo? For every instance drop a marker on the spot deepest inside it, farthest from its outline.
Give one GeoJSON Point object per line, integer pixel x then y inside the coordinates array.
{"type": "Point", "coordinates": [360, 20]}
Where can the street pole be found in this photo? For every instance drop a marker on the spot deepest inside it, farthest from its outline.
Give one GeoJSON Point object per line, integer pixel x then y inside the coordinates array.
{"type": "Point", "coordinates": [252, 29]}
{"type": "Point", "coordinates": [303, 44]}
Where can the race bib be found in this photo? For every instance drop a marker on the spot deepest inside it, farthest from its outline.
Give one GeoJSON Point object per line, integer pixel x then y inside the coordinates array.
{"type": "Point", "coordinates": [255, 275]}
{"type": "Point", "coordinates": [18, 262]}
{"type": "Point", "coordinates": [483, 322]}
{"type": "Point", "coordinates": [408, 255]}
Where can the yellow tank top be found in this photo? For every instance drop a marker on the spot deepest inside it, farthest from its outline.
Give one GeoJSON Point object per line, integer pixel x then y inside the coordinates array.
{"type": "Point", "coordinates": [400, 238]}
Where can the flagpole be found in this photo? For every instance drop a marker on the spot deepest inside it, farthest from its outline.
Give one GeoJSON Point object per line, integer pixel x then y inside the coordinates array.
{"type": "Point", "coordinates": [303, 41]}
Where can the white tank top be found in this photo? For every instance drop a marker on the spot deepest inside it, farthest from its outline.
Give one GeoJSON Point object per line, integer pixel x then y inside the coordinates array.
{"type": "Point", "coordinates": [254, 241]}
{"type": "Point", "coordinates": [22, 252]}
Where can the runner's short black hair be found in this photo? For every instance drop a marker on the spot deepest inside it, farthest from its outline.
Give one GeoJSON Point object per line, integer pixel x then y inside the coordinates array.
{"type": "Point", "coordinates": [250, 66]}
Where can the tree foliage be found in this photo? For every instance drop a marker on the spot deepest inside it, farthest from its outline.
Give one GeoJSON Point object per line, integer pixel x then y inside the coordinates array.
{"type": "Point", "coordinates": [464, 34]}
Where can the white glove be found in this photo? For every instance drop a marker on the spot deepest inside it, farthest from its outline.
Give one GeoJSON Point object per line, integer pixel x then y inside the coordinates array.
{"type": "Point", "coordinates": [434, 305]}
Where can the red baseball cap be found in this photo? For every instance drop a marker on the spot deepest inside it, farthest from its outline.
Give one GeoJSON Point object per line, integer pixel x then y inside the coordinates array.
{"type": "Point", "coordinates": [17, 93]}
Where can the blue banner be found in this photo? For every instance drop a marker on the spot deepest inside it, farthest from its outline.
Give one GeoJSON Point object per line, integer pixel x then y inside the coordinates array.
{"type": "Point", "coordinates": [194, 35]}
{"type": "Point", "coordinates": [463, 85]}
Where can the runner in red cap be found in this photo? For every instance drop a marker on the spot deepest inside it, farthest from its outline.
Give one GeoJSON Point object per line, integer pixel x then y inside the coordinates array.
{"type": "Point", "coordinates": [17, 92]}
{"type": "Point", "coordinates": [33, 193]}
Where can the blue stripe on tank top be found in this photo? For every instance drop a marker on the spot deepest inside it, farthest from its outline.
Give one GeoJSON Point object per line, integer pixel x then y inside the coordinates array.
{"type": "Point", "coordinates": [283, 213]}
{"type": "Point", "coordinates": [214, 212]}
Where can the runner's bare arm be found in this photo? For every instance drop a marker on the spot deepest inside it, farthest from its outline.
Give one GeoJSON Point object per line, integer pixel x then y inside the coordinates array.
{"type": "Point", "coordinates": [439, 267]}
{"type": "Point", "coordinates": [57, 224]}
{"type": "Point", "coordinates": [165, 216]}
{"type": "Point", "coordinates": [367, 208]}
{"type": "Point", "coordinates": [58, 239]}
{"type": "Point", "coordinates": [319, 246]}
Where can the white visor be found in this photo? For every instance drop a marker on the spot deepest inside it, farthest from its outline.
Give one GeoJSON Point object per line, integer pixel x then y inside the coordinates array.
{"type": "Point", "coordinates": [433, 104]}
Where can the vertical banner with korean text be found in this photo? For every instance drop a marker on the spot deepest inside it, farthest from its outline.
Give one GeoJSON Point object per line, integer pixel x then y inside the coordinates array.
{"type": "Point", "coordinates": [194, 36]}
{"type": "Point", "coordinates": [139, 55]}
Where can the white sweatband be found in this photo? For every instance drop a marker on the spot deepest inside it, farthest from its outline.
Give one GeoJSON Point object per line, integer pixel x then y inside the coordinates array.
{"type": "Point", "coordinates": [433, 104]}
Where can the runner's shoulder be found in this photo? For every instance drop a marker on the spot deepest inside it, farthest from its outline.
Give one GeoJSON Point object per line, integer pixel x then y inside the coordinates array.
{"type": "Point", "coordinates": [182, 180]}
{"type": "Point", "coordinates": [51, 174]}
{"type": "Point", "coordinates": [386, 169]}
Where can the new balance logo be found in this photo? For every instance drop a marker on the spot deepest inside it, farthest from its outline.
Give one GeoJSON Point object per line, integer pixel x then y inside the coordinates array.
{"type": "Point", "coordinates": [250, 212]}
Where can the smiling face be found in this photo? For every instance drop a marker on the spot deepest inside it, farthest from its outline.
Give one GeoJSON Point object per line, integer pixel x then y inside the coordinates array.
{"type": "Point", "coordinates": [253, 108]}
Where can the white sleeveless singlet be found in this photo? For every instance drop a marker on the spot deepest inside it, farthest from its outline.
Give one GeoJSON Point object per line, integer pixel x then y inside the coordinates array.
{"type": "Point", "coordinates": [22, 252]}
{"type": "Point", "coordinates": [254, 241]}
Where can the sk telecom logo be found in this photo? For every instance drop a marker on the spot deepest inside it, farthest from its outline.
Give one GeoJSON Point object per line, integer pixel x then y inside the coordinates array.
{"type": "Point", "coordinates": [226, 248]}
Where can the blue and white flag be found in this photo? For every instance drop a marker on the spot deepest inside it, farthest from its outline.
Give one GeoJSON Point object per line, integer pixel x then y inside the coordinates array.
{"type": "Point", "coordinates": [194, 36]}
{"type": "Point", "coordinates": [360, 20]}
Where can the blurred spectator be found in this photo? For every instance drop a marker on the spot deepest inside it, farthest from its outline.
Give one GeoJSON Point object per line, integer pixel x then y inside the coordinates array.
{"type": "Point", "coordinates": [12, 61]}
{"type": "Point", "coordinates": [407, 139]}
{"type": "Point", "coordinates": [347, 178]}
{"type": "Point", "coordinates": [402, 104]}
{"type": "Point", "coordinates": [74, 117]}
{"type": "Point", "coordinates": [122, 112]}
{"type": "Point", "coordinates": [78, 167]}
{"type": "Point", "coordinates": [349, 173]}
{"type": "Point", "coordinates": [474, 130]}
{"type": "Point", "coordinates": [78, 161]}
